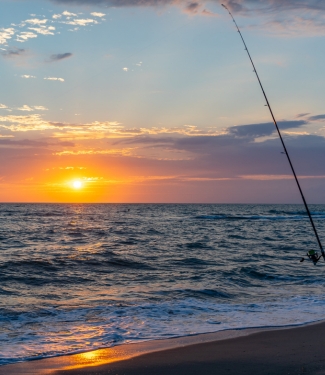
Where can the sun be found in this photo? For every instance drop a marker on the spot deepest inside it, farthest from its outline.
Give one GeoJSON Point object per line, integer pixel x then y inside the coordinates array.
{"type": "Point", "coordinates": [77, 184]}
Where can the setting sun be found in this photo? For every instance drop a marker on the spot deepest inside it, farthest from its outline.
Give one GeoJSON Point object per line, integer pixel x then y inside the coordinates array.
{"type": "Point", "coordinates": [77, 184]}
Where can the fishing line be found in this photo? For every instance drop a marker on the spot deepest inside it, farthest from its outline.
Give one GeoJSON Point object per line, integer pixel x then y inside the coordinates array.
{"type": "Point", "coordinates": [315, 260]}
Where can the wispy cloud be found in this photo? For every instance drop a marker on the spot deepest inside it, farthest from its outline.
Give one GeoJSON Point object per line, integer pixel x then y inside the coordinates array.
{"type": "Point", "coordinates": [54, 79]}
{"type": "Point", "coordinates": [274, 5]}
{"type": "Point", "coordinates": [60, 56]}
{"type": "Point", "coordinates": [93, 151]}
{"type": "Point", "coordinates": [27, 76]}
{"type": "Point", "coordinates": [23, 123]}
{"type": "Point", "coordinates": [264, 129]}
{"type": "Point", "coordinates": [24, 108]}
{"type": "Point", "coordinates": [81, 22]}
{"type": "Point", "coordinates": [97, 14]}
{"type": "Point", "coordinates": [36, 21]}
{"type": "Point", "coordinates": [188, 6]}
{"type": "Point", "coordinates": [44, 30]}
{"type": "Point", "coordinates": [69, 14]}
{"type": "Point", "coordinates": [277, 177]}
{"type": "Point", "coordinates": [27, 108]}
{"type": "Point", "coordinates": [208, 156]}
{"type": "Point", "coordinates": [123, 3]}
{"type": "Point", "coordinates": [13, 52]}
{"type": "Point", "coordinates": [317, 118]}
{"type": "Point", "coordinates": [33, 143]}
{"type": "Point", "coordinates": [283, 17]}
{"type": "Point", "coordinates": [6, 34]}
{"type": "Point", "coordinates": [35, 122]}
{"type": "Point", "coordinates": [25, 35]}
{"type": "Point", "coordinates": [40, 108]}
{"type": "Point", "coordinates": [33, 27]}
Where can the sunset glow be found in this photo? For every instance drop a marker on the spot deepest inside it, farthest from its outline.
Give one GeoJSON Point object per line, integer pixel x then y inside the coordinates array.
{"type": "Point", "coordinates": [77, 184]}
{"type": "Point", "coordinates": [128, 104]}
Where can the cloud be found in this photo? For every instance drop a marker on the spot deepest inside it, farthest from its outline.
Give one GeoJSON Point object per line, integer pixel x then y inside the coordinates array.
{"type": "Point", "coordinates": [302, 115]}
{"type": "Point", "coordinates": [232, 156]}
{"type": "Point", "coordinates": [283, 17]}
{"type": "Point", "coordinates": [276, 177]}
{"type": "Point", "coordinates": [33, 143]}
{"type": "Point", "coordinates": [25, 35]}
{"type": "Point", "coordinates": [27, 108]}
{"type": "Point", "coordinates": [3, 106]}
{"type": "Point", "coordinates": [196, 8]}
{"type": "Point", "coordinates": [96, 126]}
{"type": "Point", "coordinates": [317, 118]}
{"type": "Point", "coordinates": [6, 34]}
{"type": "Point", "coordinates": [81, 22]}
{"type": "Point", "coordinates": [69, 14]}
{"type": "Point", "coordinates": [251, 131]}
{"type": "Point", "coordinates": [31, 28]}
{"type": "Point", "coordinates": [244, 6]}
{"type": "Point", "coordinates": [54, 79]}
{"type": "Point", "coordinates": [115, 130]}
{"type": "Point", "coordinates": [236, 151]}
{"type": "Point", "coordinates": [280, 17]}
{"type": "Point", "coordinates": [238, 147]}
{"type": "Point", "coordinates": [97, 14]}
{"type": "Point", "coordinates": [188, 155]}
{"type": "Point", "coordinates": [40, 108]}
{"type": "Point", "coordinates": [23, 142]}
{"type": "Point", "coordinates": [13, 52]}
{"type": "Point", "coordinates": [192, 7]}
{"type": "Point", "coordinates": [27, 76]}
{"type": "Point", "coordinates": [121, 3]}
{"type": "Point", "coordinates": [60, 56]}
{"type": "Point", "coordinates": [36, 21]}
{"type": "Point", "coordinates": [44, 30]}
{"type": "Point", "coordinates": [264, 129]}
{"type": "Point", "coordinates": [23, 123]}
{"type": "Point", "coordinates": [35, 122]}
{"type": "Point", "coordinates": [119, 152]}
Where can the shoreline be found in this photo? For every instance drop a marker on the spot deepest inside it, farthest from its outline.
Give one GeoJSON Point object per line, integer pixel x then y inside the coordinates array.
{"type": "Point", "coordinates": [122, 356]}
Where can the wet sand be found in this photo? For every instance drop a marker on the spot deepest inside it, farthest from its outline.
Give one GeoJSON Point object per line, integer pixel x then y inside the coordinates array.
{"type": "Point", "coordinates": [299, 350]}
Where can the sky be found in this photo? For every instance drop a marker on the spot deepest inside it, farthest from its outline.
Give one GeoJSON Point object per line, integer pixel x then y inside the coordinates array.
{"type": "Point", "coordinates": [145, 101]}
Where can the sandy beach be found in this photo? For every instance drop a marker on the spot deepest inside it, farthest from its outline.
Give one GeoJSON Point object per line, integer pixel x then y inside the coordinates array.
{"type": "Point", "coordinates": [298, 350]}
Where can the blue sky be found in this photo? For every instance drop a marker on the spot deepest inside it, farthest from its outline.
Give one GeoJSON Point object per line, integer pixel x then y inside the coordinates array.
{"type": "Point", "coordinates": [156, 101]}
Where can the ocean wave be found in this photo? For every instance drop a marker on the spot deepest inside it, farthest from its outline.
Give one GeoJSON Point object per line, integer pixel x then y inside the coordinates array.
{"type": "Point", "coordinates": [96, 277]}
{"type": "Point", "coordinates": [59, 331]}
{"type": "Point", "coordinates": [273, 217]}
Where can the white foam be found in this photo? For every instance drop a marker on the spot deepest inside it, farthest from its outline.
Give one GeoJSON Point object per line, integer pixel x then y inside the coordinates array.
{"type": "Point", "coordinates": [79, 329]}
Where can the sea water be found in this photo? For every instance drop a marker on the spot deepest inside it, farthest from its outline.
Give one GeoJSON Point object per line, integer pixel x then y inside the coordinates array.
{"type": "Point", "coordinates": [76, 277]}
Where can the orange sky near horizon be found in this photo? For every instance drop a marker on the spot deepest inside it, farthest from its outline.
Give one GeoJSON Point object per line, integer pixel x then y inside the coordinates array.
{"type": "Point", "coordinates": [143, 103]}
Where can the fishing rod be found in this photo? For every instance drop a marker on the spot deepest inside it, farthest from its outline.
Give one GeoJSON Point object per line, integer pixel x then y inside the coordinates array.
{"type": "Point", "coordinates": [312, 254]}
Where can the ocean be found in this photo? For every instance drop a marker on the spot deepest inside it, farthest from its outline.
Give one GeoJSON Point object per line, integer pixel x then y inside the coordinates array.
{"type": "Point", "coordinates": [76, 277]}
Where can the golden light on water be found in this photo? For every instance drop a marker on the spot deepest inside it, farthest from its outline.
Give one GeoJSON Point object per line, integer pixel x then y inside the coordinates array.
{"type": "Point", "coordinates": [98, 357]}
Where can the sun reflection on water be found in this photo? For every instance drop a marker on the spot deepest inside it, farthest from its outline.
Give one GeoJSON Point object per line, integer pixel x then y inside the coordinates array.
{"type": "Point", "coordinates": [97, 358]}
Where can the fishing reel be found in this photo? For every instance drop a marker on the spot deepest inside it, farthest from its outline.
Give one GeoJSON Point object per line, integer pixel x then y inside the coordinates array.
{"type": "Point", "coordinates": [312, 256]}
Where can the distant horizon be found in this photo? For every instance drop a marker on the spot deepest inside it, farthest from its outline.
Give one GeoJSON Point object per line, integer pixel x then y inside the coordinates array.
{"type": "Point", "coordinates": [165, 203]}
